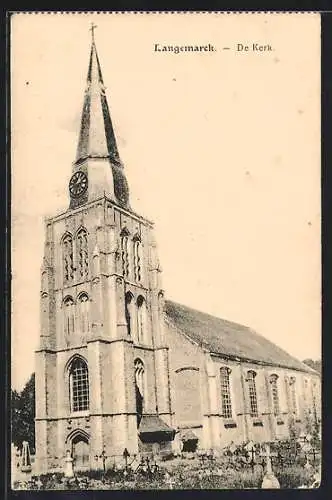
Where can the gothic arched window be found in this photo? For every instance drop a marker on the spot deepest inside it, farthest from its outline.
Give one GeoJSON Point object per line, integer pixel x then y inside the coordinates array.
{"type": "Point", "coordinates": [292, 394]}
{"type": "Point", "coordinates": [305, 388]}
{"type": "Point", "coordinates": [69, 316]}
{"type": "Point", "coordinates": [67, 258]}
{"type": "Point", "coordinates": [82, 253]}
{"type": "Point", "coordinates": [275, 394]}
{"type": "Point", "coordinates": [140, 387]}
{"type": "Point", "coordinates": [139, 375]}
{"type": "Point", "coordinates": [129, 312]}
{"type": "Point", "coordinates": [83, 301]}
{"type": "Point", "coordinates": [141, 318]}
{"type": "Point", "coordinates": [253, 405]}
{"type": "Point", "coordinates": [137, 259]}
{"type": "Point", "coordinates": [79, 385]}
{"type": "Point", "coordinates": [226, 402]}
{"type": "Point", "coordinates": [125, 252]}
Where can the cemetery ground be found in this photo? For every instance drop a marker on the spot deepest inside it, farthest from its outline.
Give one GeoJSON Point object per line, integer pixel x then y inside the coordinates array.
{"type": "Point", "coordinates": [295, 464]}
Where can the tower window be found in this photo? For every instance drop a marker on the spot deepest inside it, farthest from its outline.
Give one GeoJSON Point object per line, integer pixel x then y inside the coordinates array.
{"type": "Point", "coordinates": [83, 301]}
{"type": "Point", "coordinates": [129, 303]}
{"type": "Point", "coordinates": [69, 316]}
{"type": "Point", "coordinates": [67, 258]}
{"type": "Point", "coordinates": [226, 403]}
{"type": "Point", "coordinates": [253, 405]}
{"type": "Point", "coordinates": [83, 254]}
{"type": "Point", "coordinates": [139, 375]}
{"type": "Point", "coordinates": [275, 394]}
{"type": "Point", "coordinates": [141, 318]}
{"type": "Point", "coordinates": [139, 385]}
{"type": "Point", "coordinates": [125, 253]}
{"type": "Point", "coordinates": [79, 385]}
{"type": "Point", "coordinates": [137, 259]}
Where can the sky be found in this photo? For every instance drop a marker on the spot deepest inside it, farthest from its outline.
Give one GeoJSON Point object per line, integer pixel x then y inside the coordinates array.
{"type": "Point", "coordinates": [221, 150]}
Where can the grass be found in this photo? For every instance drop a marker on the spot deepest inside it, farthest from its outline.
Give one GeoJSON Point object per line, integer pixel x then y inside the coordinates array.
{"type": "Point", "coordinates": [177, 474]}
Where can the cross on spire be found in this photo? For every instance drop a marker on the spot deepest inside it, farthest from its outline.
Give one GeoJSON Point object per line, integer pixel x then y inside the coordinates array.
{"type": "Point", "coordinates": [92, 29]}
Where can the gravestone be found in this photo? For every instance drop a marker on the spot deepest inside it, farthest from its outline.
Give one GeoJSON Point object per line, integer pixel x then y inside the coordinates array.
{"type": "Point", "coordinates": [269, 480]}
{"type": "Point", "coordinates": [26, 458]}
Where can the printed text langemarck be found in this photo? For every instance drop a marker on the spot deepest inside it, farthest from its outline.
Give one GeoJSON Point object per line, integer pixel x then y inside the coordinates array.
{"type": "Point", "coordinates": [176, 49]}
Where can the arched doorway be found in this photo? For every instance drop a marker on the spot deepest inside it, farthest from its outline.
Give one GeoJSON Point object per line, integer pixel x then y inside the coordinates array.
{"type": "Point", "coordinates": [80, 450]}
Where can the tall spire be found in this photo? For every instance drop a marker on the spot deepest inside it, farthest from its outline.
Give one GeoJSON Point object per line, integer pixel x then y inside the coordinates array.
{"type": "Point", "coordinates": [96, 139]}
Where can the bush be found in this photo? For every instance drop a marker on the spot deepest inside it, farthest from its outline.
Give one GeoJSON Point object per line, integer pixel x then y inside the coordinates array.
{"type": "Point", "coordinates": [294, 476]}
{"type": "Point", "coordinates": [95, 474]}
{"type": "Point", "coordinates": [167, 456]}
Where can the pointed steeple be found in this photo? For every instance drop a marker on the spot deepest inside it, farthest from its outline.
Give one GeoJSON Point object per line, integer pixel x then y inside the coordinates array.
{"type": "Point", "coordinates": [97, 140]}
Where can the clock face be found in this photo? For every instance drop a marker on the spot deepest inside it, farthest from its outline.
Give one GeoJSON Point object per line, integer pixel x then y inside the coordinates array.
{"type": "Point", "coordinates": [78, 184]}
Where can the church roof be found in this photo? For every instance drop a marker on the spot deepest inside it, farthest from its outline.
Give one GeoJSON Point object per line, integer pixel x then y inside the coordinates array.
{"type": "Point", "coordinates": [229, 339]}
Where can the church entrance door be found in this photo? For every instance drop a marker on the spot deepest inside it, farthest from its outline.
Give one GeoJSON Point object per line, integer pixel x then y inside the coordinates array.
{"type": "Point", "coordinates": [80, 447]}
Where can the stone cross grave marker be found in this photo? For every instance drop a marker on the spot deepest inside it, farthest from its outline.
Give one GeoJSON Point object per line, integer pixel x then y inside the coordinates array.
{"type": "Point", "coordinates": [251, 449]}
{"type": "Point", "coordinates": [126, 455]}
{"type": "Point", "coordinates": [269, 480]}
{"type": "Point", "coordinates": [26, 458]}
{"type": "Point", "coordinates": [232, 449]}
{"type": "Point", "coordinates": [305, 443]}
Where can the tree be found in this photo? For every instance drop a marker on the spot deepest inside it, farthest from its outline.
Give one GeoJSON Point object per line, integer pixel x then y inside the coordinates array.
{"type": "Point", "coordinates": [315, 365]}
{"type": "Point", "coordinates": [23, 414]}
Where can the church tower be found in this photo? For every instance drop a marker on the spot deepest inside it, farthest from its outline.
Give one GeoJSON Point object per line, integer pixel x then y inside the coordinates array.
{"type": "Point", "coordinates": [102, 370]}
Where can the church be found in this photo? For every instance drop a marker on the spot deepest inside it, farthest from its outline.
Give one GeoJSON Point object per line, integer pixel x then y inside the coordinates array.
{"type": "Point", "coordinates": [120, 367]}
